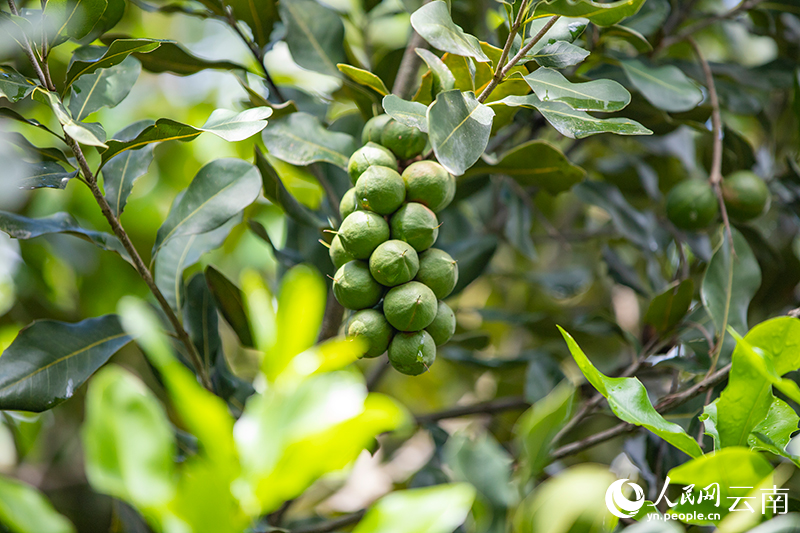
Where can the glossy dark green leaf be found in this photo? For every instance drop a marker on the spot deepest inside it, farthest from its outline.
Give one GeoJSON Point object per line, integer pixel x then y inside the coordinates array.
{"type": "Point", "coordinates": [315, 35]}
{"type": "Point", "coordinates": [628, 398]}
{"type": "Point", "coordinates": [364, 77]}
{"type": "Point", "coordinates": [49, 360]}
{"type": "Point", "coordinates": [116, 53]}
{"type": "Point", "coordinates": [602, 14]}
{"type": "Point", "coordinates": [432, 21]}
{"type": "Point", "coordinates": [47, 174]}
{"type": "Point", "coordinates": [120, 172]}
{"type": "Point", "coordinates": [162, 130]}
{"type": "Point", "coordinates": [669, 307]}
{"type": "Point", "coordinates": [598, 95]}
{"type": "Point", "coordinates": [286, 257]}
{"type": "Point", "coordinates": [104, 88]}
{"type": "Point", "coordinates": [560, 54]}
{"type": "Point", "coordinates": [220, 190]}
{"type": "Point", "coordinates": [24, 509]}
{"type": "Point", "coordinates": [259, 15]}
{"type": "Point", "coordinates": [443, 79]}
{"type": "Point", "coordinates": [300, 139]}
{"type": "Point", "coordinates": [666, 87]}
{"type": "Point", "coordinates": [35, 152]}
{"type": "Point", "coordinates": [411, 114]}
{"type": "Point", "coordinates": [534, 163]}
{"type": "Point", "coordinates": [111, 16]}
{"type": "Point", "coordinates": [7, 112]}
{"type": "Point", "coordinates": [13, 85]}
{"type": "Point", "coordinates": [230, 302]}
{"type": "Point", "coordinates": [458, 128]}
{"type": "Point", "coordinates": [174, 58]}
{"type": "Point", "coordinates": [73, 19]}
{"type": "Point", "coordinates": [89, 134]}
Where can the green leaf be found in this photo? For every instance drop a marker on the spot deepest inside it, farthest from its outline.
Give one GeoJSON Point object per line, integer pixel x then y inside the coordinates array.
{"type": "Point", "coordinates": [560, 54]}
{"type": "Point", "coordinates": [564, 29]}
{"type": "Point", "coordinates": [534, 163]}
{"type": "Point", "coordinates": [105, 88]}
{"type": "Point", "coordinates": [73, 19]}
{"type": "Point", "coordinates": [300, 139]}
{"type": "Point", "coordinates": [666, 87]}
{"type": "Point", "coordinates": [738, 279]}
{"type": "Point", "coordinates": [443, 79]}
{"type": "Point", "coordinates": [473, 256]}
{"type": "Point", "coordinates": [669, 307]}
{"type": "Point", "coordinates": [484, 464]}
{"type": "Point", "coordinates": [13, 85]}
{"type": "Point", "coordinates": [420, 510]}
{"type": "Point", "coordinates": [538, 425]}
{"type": "Point", "coordinates": [39, 154]}
{"type": "Point", "coordinates": [774, 433]}
{"type": "Point", "coordinates": [573, 123]}
{"type": "Point", "coordinates": [602, 14]}
{"type": "Point", "coordinates": [230, 301]}
{"type": "Point", "coordinates": [127, 440]}
{"type": "Point", "coordinates": [411, 114]}
{"type": "Point", "coordinates": [433, 23]}
{"type": "Point", "coordinates": [172, 57]}
{"type": "Point", "coordinates": [364, 77]}
{"type": "Point", "coordinates": [23, 509]}
{"type": "Point", "coordinates": [117, 52]}
{"type": "Point", "coordinates": [120, 172]}
{"type": "Point", "coordinates": [628, 398]}
{"type": "Point", "coordinates": [47, 174]}
{"type": "Point", "coordinates": [49, 360]}
{"type": "Point", "coordinates": [259, 15]}
{"type": "Point", "coordinates": [83, 133]}
{"type": "Point", "coordinates": [220, 190]}
{"type": "Point", "coordinates": [276, 192]}
{"type": "Point", "coordinates": [598, 95]}
{"type": "Point", "coordinates": [519, 221]}
{"type": "Point", "coordinates": [458, 128]}
{"type": "Point", "coordinates": [315, 35]}
{"type": "Point", "coordinates": [628, 35]}
{"type": "Point", "coordinates": [13, 115]}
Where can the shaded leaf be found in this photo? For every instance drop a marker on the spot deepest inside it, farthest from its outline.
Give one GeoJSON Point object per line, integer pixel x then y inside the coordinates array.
{"type": "Point", "coordinates": [83, 133]}
{"type": "Point", "coordinates": [259, 15]}
{"type": "Point", "coordinates": [230, 302]}
{"type": "Point", "coordinates": [598, 95]}
{"type": "Point", "coordinates": [458, 128]}
{"type": "Point", "coordinates": [47, 174]}
{"type": "Point", "coordinates": [13, 115]}
{"type": "Point", "coordinates": [120, 172]}
{"type": "Point", "coordinates": [432, 21]}
{"type": "Point", "coordinates": [669, 307]}
{"type": "Point", "coordinates": [364, 77]}
{"type": "Point", "coordinates": [411, 114]}
{"type": "Point", "coordinates": [105, 88]}
{"type": "Point", "coordinates": [72, 19]}
{"type": "Point", "coordinates": [473, 256]}
{"type": "Point", "coordinates": [560, 54]}
{"type": "Point", "coordinates": [315, 35]}
{"type": "Point", "coordinates": [116, 53]}
{"type": "Point", "coordinates": [39, 154]}
{"type": "Point", "coordinates": [174, 58]}
{"type": "Point", "coordinates": [24, 509]}
{"type": "Point", "coordinates": [538, 425]}
{"type": "Point", "coordinates": [602, 14]}
{"type": "Point", "coordinates": [300, 139]}
{"type": "Point", "coordinates": [666, 87]}
{"type": "Point", "coordinates": [518, 225]}
{"type": "Point", "coordinates": [13, 85]}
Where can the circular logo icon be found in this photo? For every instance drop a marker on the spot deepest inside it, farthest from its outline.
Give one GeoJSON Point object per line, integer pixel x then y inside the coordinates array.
{"type": "Point", "coordinates": [621, 506]}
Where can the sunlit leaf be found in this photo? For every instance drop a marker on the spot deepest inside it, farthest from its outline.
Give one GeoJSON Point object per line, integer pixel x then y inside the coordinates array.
{"type": "Point", "coordinates": [411, 114]}
{"type": "Point", "coordinates": [602, 14]}
{"type": "Point", "coordinates": [458, 128]}
{"type": "Point", "coordinates": [116, 53]}
{"type": "Point", "coordinates": [443, 79]}
{"type": "Point", "coordinates": [432, 21]}
{"type": "Point", "coordinates": [598, 95]}
{"type": "Point", "coordinates": [364, 77]}
{"type": "Point", "coordinates": [23, 509]}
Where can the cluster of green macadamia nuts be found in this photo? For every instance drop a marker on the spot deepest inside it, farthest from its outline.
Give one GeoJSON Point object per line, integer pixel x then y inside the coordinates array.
{"type": "Point", "coordinates": [387, 270]}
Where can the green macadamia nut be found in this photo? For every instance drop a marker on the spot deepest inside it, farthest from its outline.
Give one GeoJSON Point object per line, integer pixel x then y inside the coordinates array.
{"type": "Point", "coordinates": [381, 190]}
{"type": "Point", "coordinates": [412, 353]}
{"type": "Point", "coordinates": [410, 307]}
{"type": "Point", "coordinates": [338, 254]}
{"type": "Point", "coordinates": [692, 204]}
{"type": "Point", "coordinates": [746, 195]}
{"type": "Point", "coordinates": [368, 156]}
{"type": "Point", "coordinates": [428, 183]}
{"type": "Point", "coordinates": [444, 325]}
{"type": "Point", "coordinates": [361, 232]}
{"type": "Point", "coordinates": [438, 271]}
{"type": "Point", "coordinates": [373, 128]}
{"type": "Point", "coordinates": [415, 224]}
{"type": "Point", "coordinates": [405, 141]}
{"type": "Point", "coordinates": [371, 326]}
{"type": "Point", "coordinates": [354, 287]}
{"type": "Point", "coordinates": [348, 204]}
{"type": "Point", "coordinates": [393, 263]}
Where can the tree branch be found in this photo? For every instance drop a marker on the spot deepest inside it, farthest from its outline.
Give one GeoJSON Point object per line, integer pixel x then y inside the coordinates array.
{"type": "Point", "coordinates": [409, 64]}
{"type": "Point", "coordinates": [705, 22]}
{"type": "Point", "coordinates": [498, 405]}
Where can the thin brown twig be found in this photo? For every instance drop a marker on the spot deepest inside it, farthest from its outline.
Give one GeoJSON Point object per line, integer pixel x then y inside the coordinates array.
{"type": "Point", "coordinates": [704, 23]}
{"type": "Point", "coordinates": [29, 49]}
{"type": "Point", "coordinates": [506, 403]}
{"type": "Point", "coordinates": [332, 525]}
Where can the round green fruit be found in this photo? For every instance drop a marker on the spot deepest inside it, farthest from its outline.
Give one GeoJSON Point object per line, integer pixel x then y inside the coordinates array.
{"type": "Point", "coordinates": [438, 271]}
{"type": "Point", "coordinates": [338, 254]}
{"type": "Point", "coordinates": [354, 287]}
{"type": "Point", "coordinates": [746, 195]}
{"type": "Point", "coordinates": [361, 232]}
{"type": "Point", "coordinates": [381, 190]}
{"type": "Point", "coordinates": [348, 203]}
{"type": "Point", "coordinates": [692, 205]}
{"type": "Point", "coordinates": [371, 326]}
{"type": "Point", "coordinates": [393, 263]}
{"type": "Point", "coordinates": [415, 224]}
{"type": "Point", "coordinates": [444, 325]}
{"type": "Point", "coordinates": [373, 128]}
{"type": "Point", "coordinates": [410, 307]}
{"type": "Point", "coordinates": [412, 353]}
{"type": "Point", "coordinates": [428, 183]}
{"type": "Point", "coordinates": [370, 155]}
{"type": "Point", "coordinates": [404, 141]}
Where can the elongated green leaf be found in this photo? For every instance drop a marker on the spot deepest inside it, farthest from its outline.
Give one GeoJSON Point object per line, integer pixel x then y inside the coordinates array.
{"type": "Point", "coordinates": [14, 85]}
{"type": "Point", "coordinates": [104, 88]}
{"type": "Point", "coordinates": [575, 124]}
{"type": "Point", "coordinates": [220, 190]}
{"type": "Point", "coordinates": [23, 509]}
{"type": "Point", "coordinates": [121, 171]}
{"type": "Point", "coordinates": [275, 190]}
{"type": "Point", "coordinates": [37, 153]}
{"type": "Point", "coordinates": [774, 433]}
{"type": "Point", "coordinates": [538, 425]}
{"type": "Point", "coordinates": [432, 21]}
{"type": "Point", "coordinates": [627, 397]}
{"type": "Point", "coordinates": [666, 87]}
{"type": "Point", "coordinates": [230, 301]}
{"type": "Point", "coordinates": [49, 360]}
{"type": "Point", "coordinates": [411, 114]}
{"type": "Point", "coordinates": [602, 14]}
{"type": "Point", "coordinates": [174, 58]}
{"type": "Point", "coordinates": [164, 129]}
{"type": "Point", "coordinates": [72, 19]}
{"type": "Point", "coordinates": [564, 29]}
{"type": "Point", "coordinates": [300, 139]}
{"type": "Point", "coordinates": [47, 174]}
{"type": "Point", "coordinates": [364, 77]}
{"type": "Point", "coordinates": [560, 54]}
{"type": "Point", "coordinates": [443, 79]}
{"type": "Point", "coordinates": [669, 307]}
{"type": "Point", "coordinates": [458, 128]}
{"type": "Point", "coordinates": [599, 95]}
{"type": "Point", "coordinates": [260, 15]}
{"type": "Point", "coordinates": [536, 163]}
{"type": "Point", "coordinates": [89, 134]}
{"type": "Point", "coordinates": [13, 115]}
{"type": "Point", "coordinates": [315, 35]}
{"type": "Point", "coordinates": [117, 52]}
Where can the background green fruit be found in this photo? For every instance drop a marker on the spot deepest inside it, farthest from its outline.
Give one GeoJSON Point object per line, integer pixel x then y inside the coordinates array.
{"type": "Point", "coordinates": [746, 195]}
{"type": "Point", "coordinates": [428, 183]}
{"type": "Point", "coordinates": [348, 203]}
{"type": "Point", "coordinates": [692, 204]}
{"type": "Point", "coordinates": [406, 142]}
{"type": "Point", "coordinates": [380, 189]}
{"type": "Point", "coordinates": [412, 353]}
{"type": "Point", "coordinates": [444, 325]}
{"type": "Point", "coordinates": [371, 326]}
{"type": "Point", "coordinates": [393, 263]}
{"type": "Point", "coordinates": [361, 232]}
{"type": "Point", "coordinates": [438, 271]}
{"type": "Point", "coordinates": [415, 224]}
{"type": "Point", "coordinates": [410, 307]}
{"type": "Point", "coordinates": [373, 128]}
{"type": "Point", "coordinates": [370, 155]}
{"type": "Point", "coordinates": [338, 254]}
{"type": "Point", "coordinates": [354, 287]}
